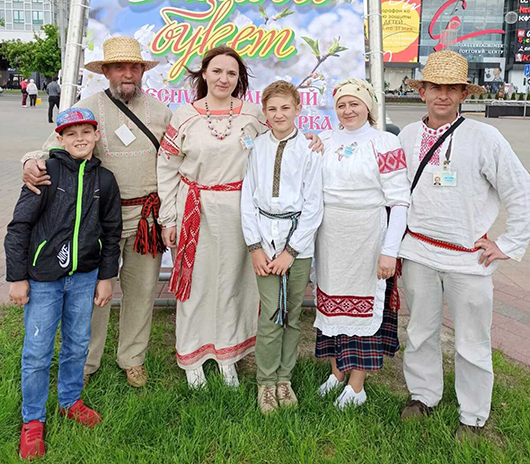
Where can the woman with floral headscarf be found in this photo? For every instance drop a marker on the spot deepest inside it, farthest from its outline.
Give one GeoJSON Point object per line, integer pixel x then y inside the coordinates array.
{"type": "Point", "coordinates": [364, 175]}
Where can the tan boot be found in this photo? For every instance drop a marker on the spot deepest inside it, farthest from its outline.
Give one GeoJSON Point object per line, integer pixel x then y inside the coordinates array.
{"type": "Point", "coordinates": [267, 398]}
{"type": "Point", "coordinates": [417, 409]}
{"type": "Point", "coordinates": [286, 396]}
{"type": "Point", "coordinates": [468, 433]}
{"type": "Point", "coordinates": [136, 376]}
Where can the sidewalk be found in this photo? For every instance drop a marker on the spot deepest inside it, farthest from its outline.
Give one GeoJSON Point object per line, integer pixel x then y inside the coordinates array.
{"type": "Point", "coordinates": [24, 129]}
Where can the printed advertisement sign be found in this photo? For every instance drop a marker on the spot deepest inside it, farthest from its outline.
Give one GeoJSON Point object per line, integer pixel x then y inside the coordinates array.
{"type": "Point", "coordinates": [522, 42]}
{"type": "Point", "coordinates": [312, 43]}
{"type": "Point", "coordinates": [401, 30]}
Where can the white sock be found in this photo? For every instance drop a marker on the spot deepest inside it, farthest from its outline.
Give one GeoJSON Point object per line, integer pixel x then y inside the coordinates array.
{"type": "Point", "coordinates": [230, 375]}
{"type": "Point", "coordinates": [348, 396]}
{"type": "Point", "coordinates": [196, 377]}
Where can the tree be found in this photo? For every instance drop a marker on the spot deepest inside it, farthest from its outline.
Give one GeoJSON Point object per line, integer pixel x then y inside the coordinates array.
{"type": "Point", "coordinates": [47, 52]}
{"type": "Point", "coordinates": [41, 55]}
{"type": "Point", "coordinates": [19, 55]}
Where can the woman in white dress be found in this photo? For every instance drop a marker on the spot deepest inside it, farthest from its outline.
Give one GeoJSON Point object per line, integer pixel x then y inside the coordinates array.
{"type": "Point", "coordinates": [364, 174]}
{"type": "Point", "coordinates": [202, 161]}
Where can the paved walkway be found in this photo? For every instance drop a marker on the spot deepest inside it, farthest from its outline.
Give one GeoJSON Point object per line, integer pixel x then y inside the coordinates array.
{"type": "Point", "coordinates": [24, 129]}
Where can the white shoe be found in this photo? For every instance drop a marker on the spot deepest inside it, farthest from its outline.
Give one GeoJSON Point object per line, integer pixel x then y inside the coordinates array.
{"type": "Point", "coordinates": [348, 396]}
{"type": "Point", "coordinates": [329, 385]}
{"type": "Point", "coordinates": [196, 378]}
{"type": "Point", "coordinates": [230, 375]}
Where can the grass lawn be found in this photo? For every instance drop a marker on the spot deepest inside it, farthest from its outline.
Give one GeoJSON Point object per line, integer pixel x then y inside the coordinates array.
{"type": "Point", "coordinates": [165, 422]}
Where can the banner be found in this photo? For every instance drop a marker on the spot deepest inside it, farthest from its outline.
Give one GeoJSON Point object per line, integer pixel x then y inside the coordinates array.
{"type": "Point", "coordinates": [312, 43]}
{"type": "Point", "coordinates": [522, 41]}
{"type": "Point", "coordinates": [401, 30]}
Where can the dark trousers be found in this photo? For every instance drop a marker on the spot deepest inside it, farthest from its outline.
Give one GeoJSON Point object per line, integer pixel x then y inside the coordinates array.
{"type": "Point", "coordinates": [52, 101]}
{"type": "Point", "coordinates": [24, 98]}
{"type": "Point", "coordinates": [32, 100]}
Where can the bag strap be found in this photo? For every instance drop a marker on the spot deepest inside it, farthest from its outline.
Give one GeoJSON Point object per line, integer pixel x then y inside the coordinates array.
{"type": "Point", "coordinates": [433, 149]}
{"type": "Point", "coordinates": [123, 107]}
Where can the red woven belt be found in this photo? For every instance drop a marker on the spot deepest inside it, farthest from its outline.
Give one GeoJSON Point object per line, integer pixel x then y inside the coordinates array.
{"type": "Point", "coordinates": [442, 244]}
{"type": "Point", "coordinates": [147, 242]}
{"type": "Point", "coordinates": [180, 280]}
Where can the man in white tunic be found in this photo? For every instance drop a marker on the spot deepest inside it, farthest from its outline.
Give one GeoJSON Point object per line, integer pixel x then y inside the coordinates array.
{"type": "Point", "coordinates": [446, 250]}
{"type": "Point", "coordinates": [132, 157]}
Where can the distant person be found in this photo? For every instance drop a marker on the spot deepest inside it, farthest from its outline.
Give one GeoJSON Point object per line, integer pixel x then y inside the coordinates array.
{"type": "Point", "coordinates": [54, 93]}
{"type": "Point", "coordinates": [33, 92]}
{"type": "Point", "coordinates": [24, 90]}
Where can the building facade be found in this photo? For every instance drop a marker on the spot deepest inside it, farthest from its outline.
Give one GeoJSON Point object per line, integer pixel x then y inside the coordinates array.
{"type": "Point", "coordinates": [22, 19]}
{"type": "Point", "coordinates": [494, 35]}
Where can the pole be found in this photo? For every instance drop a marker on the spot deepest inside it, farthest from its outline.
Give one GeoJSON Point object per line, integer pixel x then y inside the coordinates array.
{"type": "Point", "coordinates": [62, 29]}
{"type": "Point", "coordinates": [76, 27]}
{"type": "Point", "coordinates": [375, 54]}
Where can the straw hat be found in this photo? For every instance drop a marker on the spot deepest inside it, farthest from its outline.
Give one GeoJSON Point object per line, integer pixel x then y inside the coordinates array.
{"type": "Point", "coordinates": [446, 67]}
{"type": "Point", "coordinates": [120, 50]}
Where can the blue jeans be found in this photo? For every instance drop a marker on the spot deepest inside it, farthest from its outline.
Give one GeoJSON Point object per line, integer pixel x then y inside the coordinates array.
{"type": "Point", "coordinates": [69, 300]}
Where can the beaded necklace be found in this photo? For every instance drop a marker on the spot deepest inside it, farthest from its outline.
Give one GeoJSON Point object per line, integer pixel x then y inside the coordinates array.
{"type": "Point", "coordinates": [215, 132]}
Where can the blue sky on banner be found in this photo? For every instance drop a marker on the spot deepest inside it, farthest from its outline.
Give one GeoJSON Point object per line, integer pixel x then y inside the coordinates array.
{"type": "Point", "coordinates": [340, 20]}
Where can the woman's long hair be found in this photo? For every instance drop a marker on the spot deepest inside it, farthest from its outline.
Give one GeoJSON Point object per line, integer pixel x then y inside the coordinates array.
{"type": "Point", "coordinates": [199, 84]}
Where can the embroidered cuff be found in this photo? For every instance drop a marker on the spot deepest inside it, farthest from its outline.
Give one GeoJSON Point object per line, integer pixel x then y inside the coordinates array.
{"type": "Point", "coordinates": [254, 247]}
{"type": "Point", "coordinates": [289, 249]}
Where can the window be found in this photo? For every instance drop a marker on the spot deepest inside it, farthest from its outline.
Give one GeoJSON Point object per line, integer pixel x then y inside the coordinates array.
{"type": "Point", "coordinates": [18, 17]}
{"type": "Point", "coordinates": [37, 17]}
{"type": "Point", "coordinates": [37, 1]}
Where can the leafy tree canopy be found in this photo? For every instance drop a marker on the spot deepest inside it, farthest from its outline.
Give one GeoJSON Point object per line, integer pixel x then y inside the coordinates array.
{"type": "Point", "coordinates": [40, 55]}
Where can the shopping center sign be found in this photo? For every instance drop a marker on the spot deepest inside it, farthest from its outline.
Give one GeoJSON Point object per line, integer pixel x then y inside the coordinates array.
{"type": "Point", "coordinates": [451, 34]}
{"type": "Point", "coordinates": [522, 43]}
{"type": "Point", "coordinates": [312, 43]}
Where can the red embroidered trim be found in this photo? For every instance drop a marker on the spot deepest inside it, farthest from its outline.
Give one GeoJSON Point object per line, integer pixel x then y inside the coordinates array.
{"type": "Point", "coordinates": [352, 306]}
{"type": "Point", "coordinates": [442, 244]}
{"type": "Point", "coordinates": [392, 161]}
{"type": "Point", "coordinates": [427, 141]}
{"type": "Point", "coordinates": [168, 142]}
{"type": "Point", "coordinates": [180, 280]}
{"type": "Point", "coordinates": [221, 354]}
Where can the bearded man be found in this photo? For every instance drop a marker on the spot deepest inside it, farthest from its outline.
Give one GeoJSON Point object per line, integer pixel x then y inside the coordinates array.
{"type": "Point", "coordinates": [131, 124]}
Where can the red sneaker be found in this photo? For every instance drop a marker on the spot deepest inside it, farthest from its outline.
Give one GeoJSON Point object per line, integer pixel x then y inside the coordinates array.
{"type": "Point", "coordinates": [82, 414]}
{"type": "Point", "coordinates": [32, 440]}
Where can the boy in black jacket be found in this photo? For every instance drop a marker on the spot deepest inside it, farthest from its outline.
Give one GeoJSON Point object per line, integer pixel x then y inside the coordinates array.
{"type": "Point", "coordinates": [62, 250]}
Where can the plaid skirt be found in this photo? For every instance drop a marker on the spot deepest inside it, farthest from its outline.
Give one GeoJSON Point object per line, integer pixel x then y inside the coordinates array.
{"type": "Point", "coordinates": [363, 353]}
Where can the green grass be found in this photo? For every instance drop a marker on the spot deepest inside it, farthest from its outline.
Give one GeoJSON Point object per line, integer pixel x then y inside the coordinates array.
{"type": "Point", "coordinates": [165, 422]}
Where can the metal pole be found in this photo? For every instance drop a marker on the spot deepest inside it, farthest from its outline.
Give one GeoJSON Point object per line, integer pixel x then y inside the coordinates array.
{"type": "Point", "coordinates": [375, 54]}
{"type": "Point", "coordinates": [62, 27]}
{"type": "Point", "coordinates": [76, 27]}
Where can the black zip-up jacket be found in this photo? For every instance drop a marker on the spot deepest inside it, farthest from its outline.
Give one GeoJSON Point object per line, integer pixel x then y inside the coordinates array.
{"type": "Point", "coordinates": [66, 228]}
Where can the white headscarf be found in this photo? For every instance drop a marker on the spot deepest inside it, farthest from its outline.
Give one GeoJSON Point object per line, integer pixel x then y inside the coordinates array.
{"type": "Point", "coordinates": [360, 89]}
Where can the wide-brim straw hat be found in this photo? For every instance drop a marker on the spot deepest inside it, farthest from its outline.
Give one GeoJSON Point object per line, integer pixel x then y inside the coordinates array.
{"type": "Point", "coordinates": [446, 67]}
{"type": "Point", "coordinates": [120, 50]}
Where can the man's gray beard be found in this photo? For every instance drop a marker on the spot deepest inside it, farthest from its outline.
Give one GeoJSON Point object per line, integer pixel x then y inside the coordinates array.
{"type": "Point", "coordinates": [125, 97]}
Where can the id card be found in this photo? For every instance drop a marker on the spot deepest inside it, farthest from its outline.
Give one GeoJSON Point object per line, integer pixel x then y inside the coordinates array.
{"type": "Point", "coordinates": [125, 135]}
{"type": "Point", "coordinates": [347, 150]}
{"type": "Point", "coordinates": [246, 142]}
{"type": "Point", "coordinates": [444, 179]}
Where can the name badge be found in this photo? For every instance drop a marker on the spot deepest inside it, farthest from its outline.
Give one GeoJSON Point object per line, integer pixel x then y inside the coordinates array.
{"type": "Point", "coordinates": [125, 135]}
{"type": "Point", "coordinates": [444, 179]}
{"type": "Point", "coordinates": [347, 150]}
{"type": "Point", "coordinates": [246, 142]}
